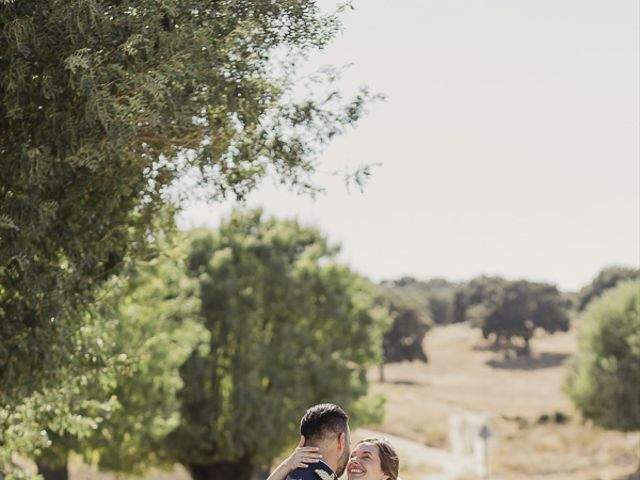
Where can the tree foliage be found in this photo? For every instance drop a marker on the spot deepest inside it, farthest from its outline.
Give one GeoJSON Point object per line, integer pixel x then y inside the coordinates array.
{"type": "Point", "coordinates": [149, 324]}
{"type": "Point", "coordinates": [433, 297]}
{"type": "Point", "coordinates": [103, 106]}
{"type": "Point", "coordinates": [604, 382]}
{"type": "Point", "coordinates": [410, 323]}
{"type": "Point", "coordinates": [607, 278]}
{"type": "Point", "coordinates": [64, 407]}
{"type": "Point", "coordinates": [289, 327]}
{"type": "Point", "coordinates": [471, 299]}
{"type": "Point", "coordinates": [512, 309]}
{"type": "Point", "coordinates": [154, 327]}
{"type": "Point", "coordinates": [523, 307]}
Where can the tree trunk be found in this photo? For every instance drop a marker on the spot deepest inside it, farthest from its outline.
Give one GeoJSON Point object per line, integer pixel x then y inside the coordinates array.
{"type": "Point", "coordinates": [381, 372]}
{"type": "Point", "coordinates": [240, 470]}
{"type": "Point", "coordinates": [49, 472]}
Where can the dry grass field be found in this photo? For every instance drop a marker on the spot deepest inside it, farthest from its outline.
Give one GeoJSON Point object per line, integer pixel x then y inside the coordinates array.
{"type": "Point", "coordinates": [465, 374]}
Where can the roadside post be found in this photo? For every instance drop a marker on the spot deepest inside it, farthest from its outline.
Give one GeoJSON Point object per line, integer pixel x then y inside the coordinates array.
{"type": "Point", "coordinates": [485, 434]}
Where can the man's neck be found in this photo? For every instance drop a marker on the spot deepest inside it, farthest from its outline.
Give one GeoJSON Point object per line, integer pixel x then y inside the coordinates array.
{"type": "Point", "coordinates": [329, 460]}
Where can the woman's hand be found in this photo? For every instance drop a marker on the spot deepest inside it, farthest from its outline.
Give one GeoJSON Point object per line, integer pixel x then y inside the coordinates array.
{"type": "Point", "coordinates": [302, 456]}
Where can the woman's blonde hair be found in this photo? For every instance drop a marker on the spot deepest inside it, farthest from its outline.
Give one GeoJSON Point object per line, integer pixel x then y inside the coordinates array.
{"type": "Point", "coordinates": [389, 461]}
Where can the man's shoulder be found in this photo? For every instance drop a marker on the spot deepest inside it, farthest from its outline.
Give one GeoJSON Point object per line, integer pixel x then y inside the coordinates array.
{"type": "Point", "coordinates": [302, 474]}
{"type": "Point", "coordinates": [312, 472]}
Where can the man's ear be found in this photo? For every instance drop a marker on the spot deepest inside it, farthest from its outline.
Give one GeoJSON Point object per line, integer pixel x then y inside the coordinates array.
{"type": "Point", "coordinates": [342, 440]}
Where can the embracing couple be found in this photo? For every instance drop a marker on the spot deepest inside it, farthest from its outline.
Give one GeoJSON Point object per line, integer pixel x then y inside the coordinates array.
{"type": "Point", "coordinates": [324, 451]}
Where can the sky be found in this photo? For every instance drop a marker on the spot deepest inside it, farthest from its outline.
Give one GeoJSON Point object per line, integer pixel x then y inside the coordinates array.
{"type": "Point", "coordinates": [508, 143]}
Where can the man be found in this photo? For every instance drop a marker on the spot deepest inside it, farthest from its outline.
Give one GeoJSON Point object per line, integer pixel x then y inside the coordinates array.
{"type": "Point", "coordinates": [325, 426]}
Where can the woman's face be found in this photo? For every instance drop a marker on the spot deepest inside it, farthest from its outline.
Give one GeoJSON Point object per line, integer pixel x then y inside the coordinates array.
{"type": "Point", "coordinates": [364, 463]}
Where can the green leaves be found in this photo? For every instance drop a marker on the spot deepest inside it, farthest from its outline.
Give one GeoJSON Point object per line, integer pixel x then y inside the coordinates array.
{"type": "Point", "coordinates": [603, 383]}
{"type": "Point", "coordinates": [145, 329]}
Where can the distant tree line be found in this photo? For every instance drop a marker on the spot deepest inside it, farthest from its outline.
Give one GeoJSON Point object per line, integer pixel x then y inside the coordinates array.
{"type": "Point", "coordinates": [504, 310]}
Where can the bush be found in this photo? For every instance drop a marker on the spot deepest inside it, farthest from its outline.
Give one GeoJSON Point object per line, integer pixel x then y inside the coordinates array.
{"type": "Point", "coordinates": [605, 381]}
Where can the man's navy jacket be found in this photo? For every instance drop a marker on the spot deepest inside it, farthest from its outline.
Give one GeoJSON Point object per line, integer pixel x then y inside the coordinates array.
{"type": "Point", "coordinates": [315, 471]}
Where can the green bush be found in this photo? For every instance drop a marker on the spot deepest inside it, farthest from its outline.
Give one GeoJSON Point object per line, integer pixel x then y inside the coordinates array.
{"type": "Point", "coordinates": [605, 381]}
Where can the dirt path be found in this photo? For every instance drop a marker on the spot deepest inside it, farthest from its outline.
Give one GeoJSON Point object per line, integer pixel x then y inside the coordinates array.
{"type": "Point", "coordinates": [416, 456]}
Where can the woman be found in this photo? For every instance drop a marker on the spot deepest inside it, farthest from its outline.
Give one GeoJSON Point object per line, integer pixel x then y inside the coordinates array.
{"type": "Point", "coordinates": [372, 459]}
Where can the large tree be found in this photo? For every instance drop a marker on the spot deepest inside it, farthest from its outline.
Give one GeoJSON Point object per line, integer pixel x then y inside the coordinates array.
{"type": "Point", "coordinates": [604, 383]}
{"type": "Point", "coordinates": [289, 327]}
{"type": "Point", "coordinates": [103, 106]}
{"type": "Point", "coordinates": [520, 308]}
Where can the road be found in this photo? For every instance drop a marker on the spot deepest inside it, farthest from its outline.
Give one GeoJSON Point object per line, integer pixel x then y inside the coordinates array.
{"type": "Point", "coordinates": [418, 455]}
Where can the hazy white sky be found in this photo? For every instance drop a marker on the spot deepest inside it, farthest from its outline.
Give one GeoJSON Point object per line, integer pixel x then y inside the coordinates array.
{"type": "Point", "coordinates": [509, 141]}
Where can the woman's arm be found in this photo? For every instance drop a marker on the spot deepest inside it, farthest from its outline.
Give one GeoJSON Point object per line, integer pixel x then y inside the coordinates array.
{"type": "Point", "coordinates": [300, 458]}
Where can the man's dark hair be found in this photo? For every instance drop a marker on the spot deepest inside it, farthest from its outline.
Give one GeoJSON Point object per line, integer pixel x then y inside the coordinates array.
{"type": "Point", "coordinates": [322, 420]}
